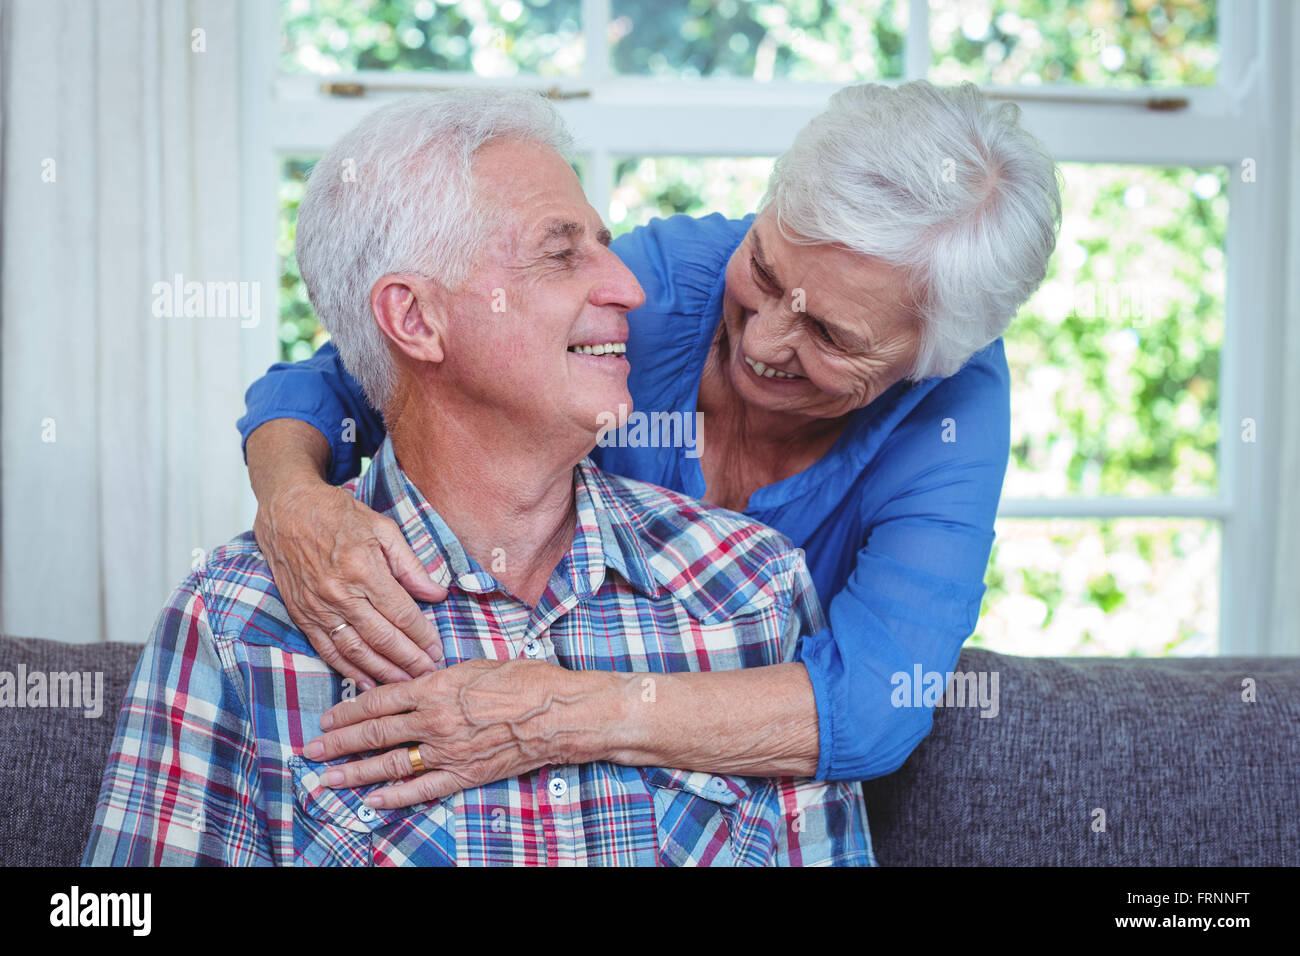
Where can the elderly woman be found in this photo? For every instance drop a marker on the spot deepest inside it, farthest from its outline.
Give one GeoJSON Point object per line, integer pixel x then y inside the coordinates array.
{"type": "Point", "coordinates": [843, 346]}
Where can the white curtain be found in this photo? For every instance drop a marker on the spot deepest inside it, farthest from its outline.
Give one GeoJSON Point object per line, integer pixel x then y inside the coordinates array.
{"type": "Point", "coordinates": [120, 170]}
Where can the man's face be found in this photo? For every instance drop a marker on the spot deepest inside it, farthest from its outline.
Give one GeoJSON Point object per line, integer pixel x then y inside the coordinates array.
{"type": "Point", "coordinates": [543, 289]}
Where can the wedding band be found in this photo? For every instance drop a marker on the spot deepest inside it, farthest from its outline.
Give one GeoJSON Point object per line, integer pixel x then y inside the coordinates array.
{"type": "Point", "coordinates": [413, 754]}
{"type": "Point", "coordinates": [339, 628]}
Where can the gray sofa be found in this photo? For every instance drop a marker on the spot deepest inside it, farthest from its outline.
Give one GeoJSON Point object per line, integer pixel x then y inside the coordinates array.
{"type": "Point", "coordinates": [1164, 754]}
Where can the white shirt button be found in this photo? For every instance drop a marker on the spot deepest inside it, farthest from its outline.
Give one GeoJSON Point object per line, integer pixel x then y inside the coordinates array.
{"type": "Point", "coordinates": [559, 787]}
{"type": "Point", "coordinates": [366, 814]}
{"type": "Point", "coordinates": [533, 648]}
{"type": "Point", "coordinates": [718, 784]}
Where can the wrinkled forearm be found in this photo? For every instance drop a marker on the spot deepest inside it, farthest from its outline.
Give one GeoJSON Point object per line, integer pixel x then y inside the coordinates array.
{"type": "Point", "coordinates": [282, 453]}
{"type": "Point", "coordinates": [756, 722]}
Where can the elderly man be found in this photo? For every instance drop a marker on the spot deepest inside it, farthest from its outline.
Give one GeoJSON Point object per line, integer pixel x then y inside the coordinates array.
{"type": "Point", "coordinates": [449, 250]}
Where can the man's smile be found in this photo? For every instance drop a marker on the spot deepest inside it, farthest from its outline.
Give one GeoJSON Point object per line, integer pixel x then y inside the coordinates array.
{"type": "Point", "coordinates": [615, 349]}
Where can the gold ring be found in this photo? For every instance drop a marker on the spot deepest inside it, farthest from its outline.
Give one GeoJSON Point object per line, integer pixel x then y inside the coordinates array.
{"type": "Point", "coordinates": [339, 628]}
{"type": "Point", "coordinates": [413, 754]}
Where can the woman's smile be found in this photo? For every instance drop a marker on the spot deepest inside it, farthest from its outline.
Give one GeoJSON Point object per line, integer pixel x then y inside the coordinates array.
{"type": "Point", "coordinates": [766, 372]}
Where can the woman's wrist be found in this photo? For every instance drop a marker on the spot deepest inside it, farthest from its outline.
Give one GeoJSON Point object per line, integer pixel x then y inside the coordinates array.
{"type": "Point", "coordinates": [285, 454]}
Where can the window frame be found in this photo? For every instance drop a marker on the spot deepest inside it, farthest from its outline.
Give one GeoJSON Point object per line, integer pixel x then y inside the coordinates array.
{"type": "Point", "coordinates": [1241, 117]}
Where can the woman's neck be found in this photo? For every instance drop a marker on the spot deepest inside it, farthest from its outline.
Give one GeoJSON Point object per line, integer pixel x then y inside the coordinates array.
{"type": "Point", "coordinates": [750, 448]}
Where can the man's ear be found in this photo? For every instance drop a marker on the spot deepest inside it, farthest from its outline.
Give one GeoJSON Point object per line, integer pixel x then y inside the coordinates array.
{"type": "Point", "coordinates": [410, 312]}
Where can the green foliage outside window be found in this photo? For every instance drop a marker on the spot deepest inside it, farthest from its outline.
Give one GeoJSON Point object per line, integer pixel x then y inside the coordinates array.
{"type": "Point", "coordinates": [488, 38]}
{"type": "Point", "coordinates": [793, 40]}
{"type": "Point", "coordinates": [1112, 43]}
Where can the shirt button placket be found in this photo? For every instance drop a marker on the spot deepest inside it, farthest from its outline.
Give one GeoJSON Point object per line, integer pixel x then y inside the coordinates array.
{"type": "Point", "coordinates": [550, 808]}
{"type": "Point", "coordinates": [561, 788]}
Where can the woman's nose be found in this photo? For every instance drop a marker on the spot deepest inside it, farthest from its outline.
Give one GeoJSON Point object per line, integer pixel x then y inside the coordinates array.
{"type": "Point", "coordinates": [767, 331]}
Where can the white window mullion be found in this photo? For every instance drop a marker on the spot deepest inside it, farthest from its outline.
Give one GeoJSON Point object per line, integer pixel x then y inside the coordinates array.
{"type": "Point", "coordinates": [916, 46]}
{"type": "Point", "coordinates": [1239, 612]}
{"type": "Point", "coordinates": [599, 181]}
{"type": "Point", "coordinates": [1237, 26]}
{"type": "Point", "coordinates": [1250, 377]}
{"type": "Point", "coordinates": [596, 73]}
{"type": "Point", "coordinates": [1107, 508]}
{"type": "Point", "coordinates": [595, 31]}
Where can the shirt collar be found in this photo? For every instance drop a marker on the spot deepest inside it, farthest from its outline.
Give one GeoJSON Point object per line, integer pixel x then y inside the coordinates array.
{"type": "Point", "coordinates": [606, 535]}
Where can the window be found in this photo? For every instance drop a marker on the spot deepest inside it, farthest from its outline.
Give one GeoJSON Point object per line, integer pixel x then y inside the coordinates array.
{"type": "Point", "coordinates": [1123, 528]}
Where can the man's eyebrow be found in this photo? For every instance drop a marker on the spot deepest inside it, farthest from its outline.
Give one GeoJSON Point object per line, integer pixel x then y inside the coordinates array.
{"type": "Point", "coordinates": [846, 335]}
{"type": "Point", "coordinates": [562, 229]}
{"type": "Point", "coordinates": [570, 229]}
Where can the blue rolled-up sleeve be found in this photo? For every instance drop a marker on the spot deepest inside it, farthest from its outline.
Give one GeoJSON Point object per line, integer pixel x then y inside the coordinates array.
{"type": "Point", "coordinates": [913, 595]}
{"type": "Point", "coordinates": [902, 618]}
{"type": "Point", "coordinates": [320, 392]}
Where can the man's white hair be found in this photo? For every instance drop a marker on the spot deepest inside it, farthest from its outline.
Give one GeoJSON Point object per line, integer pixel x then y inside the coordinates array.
{"type": "Point", "coordinates": [937, 182]}
{"type": "Point", "coordinates": [397, 194]}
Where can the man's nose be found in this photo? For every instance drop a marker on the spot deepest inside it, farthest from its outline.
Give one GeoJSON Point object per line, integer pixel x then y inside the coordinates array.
{"type": "Point", "coordinates": [618, 286]}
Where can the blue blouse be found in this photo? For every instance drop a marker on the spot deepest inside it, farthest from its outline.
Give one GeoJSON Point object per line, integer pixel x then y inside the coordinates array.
{"type": "Point", "coordinates": [896, 519]}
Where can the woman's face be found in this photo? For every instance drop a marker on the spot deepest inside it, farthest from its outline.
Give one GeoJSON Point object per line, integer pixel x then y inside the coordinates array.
{"type": "Point", "coordinates": [836, 326]}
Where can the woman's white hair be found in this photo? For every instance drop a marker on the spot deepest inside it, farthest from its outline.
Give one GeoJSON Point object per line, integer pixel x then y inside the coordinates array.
{"type": "Point", "coordinates": [937, 182]}
{"type": "Point", "coordinates": [397, 194]}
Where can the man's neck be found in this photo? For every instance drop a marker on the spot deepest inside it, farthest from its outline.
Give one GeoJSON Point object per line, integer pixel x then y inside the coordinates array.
{"type": "Point", "coordinates": [507, 498]}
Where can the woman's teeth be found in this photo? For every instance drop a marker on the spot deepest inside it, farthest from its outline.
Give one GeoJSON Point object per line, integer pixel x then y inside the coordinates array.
{"type": "Point", "coordinates": [761, 369]}
{"type": "Point", "coordinates": [609, 348]}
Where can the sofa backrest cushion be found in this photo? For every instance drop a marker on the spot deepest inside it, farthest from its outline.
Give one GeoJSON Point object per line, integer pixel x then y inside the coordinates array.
{"type": "Point", "coordinates": [52, 758]}
{"type": "Point", "coordinates": [1164, 752]}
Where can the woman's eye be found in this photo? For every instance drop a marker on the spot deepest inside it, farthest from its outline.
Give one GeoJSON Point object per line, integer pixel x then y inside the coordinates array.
{"type": "Point", "coordinates": [826, 336]}
{"type": "Point", "coordinates": [761, 277]}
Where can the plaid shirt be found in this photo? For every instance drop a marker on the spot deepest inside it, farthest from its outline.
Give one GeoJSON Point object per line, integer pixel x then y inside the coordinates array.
{"type": "Point", "coordinates": [207, 764]}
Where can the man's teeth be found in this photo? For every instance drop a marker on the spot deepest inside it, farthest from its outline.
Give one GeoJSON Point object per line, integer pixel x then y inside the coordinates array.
{"type": "Point", "coordinates": [609, 348]}
{"type": "Point", "coordinates": [761, 369]}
